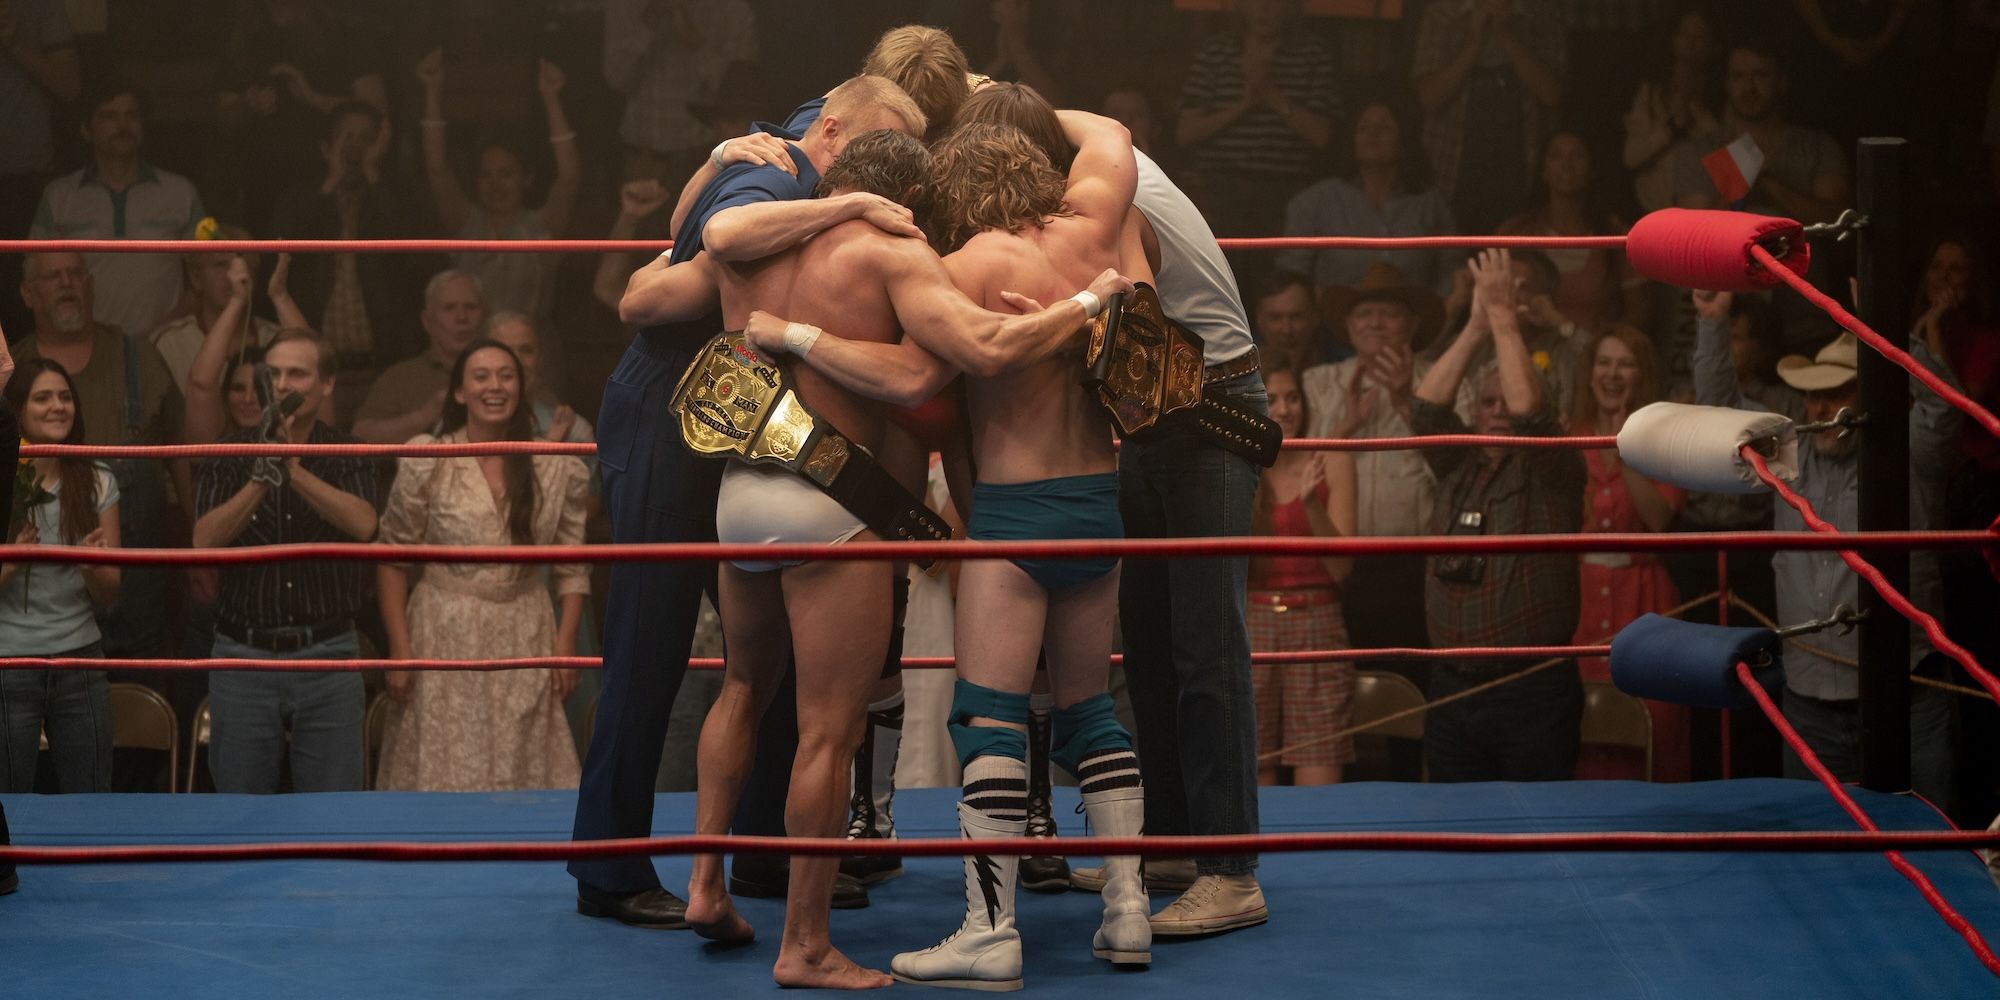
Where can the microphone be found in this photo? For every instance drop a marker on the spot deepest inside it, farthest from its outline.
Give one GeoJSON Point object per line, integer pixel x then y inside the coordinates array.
{"type": "Point", "coordinates": [290, 404]}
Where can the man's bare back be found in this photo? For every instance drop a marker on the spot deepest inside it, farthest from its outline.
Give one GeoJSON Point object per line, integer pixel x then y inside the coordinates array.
{"type": "Point", "coordinates": [1034, 422]}
{"type": "Point", "coordinates": [795, 284]}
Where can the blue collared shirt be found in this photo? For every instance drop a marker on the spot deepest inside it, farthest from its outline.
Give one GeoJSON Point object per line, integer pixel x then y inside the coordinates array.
{"type": "Point", "coordinates": [1810, 584]}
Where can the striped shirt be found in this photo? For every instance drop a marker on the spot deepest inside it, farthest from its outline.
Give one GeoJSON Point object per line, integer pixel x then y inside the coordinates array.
{"type": "Point", "coordinates": [287, 594]}
{"type": "Point", "coordinates": [1260, 141]}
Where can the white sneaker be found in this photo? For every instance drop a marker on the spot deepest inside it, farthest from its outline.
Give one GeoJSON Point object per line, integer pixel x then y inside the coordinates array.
{"type": "Point", "coordinates": [1215, 903]}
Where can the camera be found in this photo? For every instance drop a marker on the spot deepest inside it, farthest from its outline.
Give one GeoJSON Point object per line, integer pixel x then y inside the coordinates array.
{"type": "Point", "coordinates": [1460, 567]}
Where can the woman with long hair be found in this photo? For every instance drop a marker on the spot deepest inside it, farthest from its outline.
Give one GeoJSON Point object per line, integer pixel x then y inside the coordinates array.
{"type": "Point", "coordinates": [51, 610]}
{"type": "Point", "coordinates": [1619, 375]}
{"type": "Point", "coordinates": [1295, 601]}
{"type": "Point", "coordinates": [481, 731]}
{"type": "Point", "coordinates": [1597, 286]}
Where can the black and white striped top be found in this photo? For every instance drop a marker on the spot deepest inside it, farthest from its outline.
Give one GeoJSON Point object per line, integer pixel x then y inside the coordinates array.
{"type": "Point", "coordinates": [1260, 141]}
{"type": "Point", "coordinates": [279, 595]}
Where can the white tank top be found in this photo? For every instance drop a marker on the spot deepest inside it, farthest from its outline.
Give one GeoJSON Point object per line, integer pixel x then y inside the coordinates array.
{"type": "Point", "coordinates": [1197, 288]}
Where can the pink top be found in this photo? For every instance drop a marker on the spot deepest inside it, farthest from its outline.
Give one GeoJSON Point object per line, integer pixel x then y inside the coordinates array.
{"type": "Point", "coordinates": [1608, 506]}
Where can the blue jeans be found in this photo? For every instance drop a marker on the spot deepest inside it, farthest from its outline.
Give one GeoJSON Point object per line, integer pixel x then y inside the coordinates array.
{"type": "Point", "coordinates": [1527, 730]}
{"type": "Point", "coordinates": [75, 707]}
{"type": "Point", "coordinates": [251, 713]}
{"type": "Point", "coordinates": [1187, 650]}
{"type": "Point", "coordinates": [1833, 730]}
{"type": "Point", "coordinates": [655, 490]}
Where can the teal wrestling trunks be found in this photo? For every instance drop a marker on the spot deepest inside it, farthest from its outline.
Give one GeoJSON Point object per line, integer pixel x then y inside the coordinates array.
{"type": "Point", "coordinates": [1063, 508]}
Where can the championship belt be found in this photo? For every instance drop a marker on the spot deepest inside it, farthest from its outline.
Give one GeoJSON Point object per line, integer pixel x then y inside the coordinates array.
{"type": "Point", "coordinates": [730, 402]}
{"type": "Point", "coordinates": [1145, 371]}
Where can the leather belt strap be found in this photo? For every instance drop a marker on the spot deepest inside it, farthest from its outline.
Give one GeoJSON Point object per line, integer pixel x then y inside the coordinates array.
{"type": "Point", "coordinates": [1237, 367]}
{"type": "Point", "coordinates": [733, 403]}
{"type": "Point", "coordinates": [286, 639]}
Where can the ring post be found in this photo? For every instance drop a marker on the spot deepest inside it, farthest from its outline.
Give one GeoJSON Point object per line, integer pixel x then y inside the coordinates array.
{"type": "Point", "coordinates": [1884, 470]}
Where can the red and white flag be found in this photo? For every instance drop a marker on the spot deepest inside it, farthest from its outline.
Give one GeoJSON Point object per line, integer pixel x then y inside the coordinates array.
{"type": "Point", "coordinates": [1734, 168]}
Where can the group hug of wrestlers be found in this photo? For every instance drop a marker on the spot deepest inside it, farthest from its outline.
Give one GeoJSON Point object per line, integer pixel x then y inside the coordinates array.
{"type": "Point", "coordinates": [938, 300]}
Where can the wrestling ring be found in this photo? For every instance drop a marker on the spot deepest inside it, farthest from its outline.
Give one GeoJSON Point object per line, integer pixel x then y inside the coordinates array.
{"type": "Point", "coordinates": [1743, 887]}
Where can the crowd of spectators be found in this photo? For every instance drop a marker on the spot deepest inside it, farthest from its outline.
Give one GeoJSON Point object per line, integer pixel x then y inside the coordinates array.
{"type": "Point", "coordinates": [579, 118]}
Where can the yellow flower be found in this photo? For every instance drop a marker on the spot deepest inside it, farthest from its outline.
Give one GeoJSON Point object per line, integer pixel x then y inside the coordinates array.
{"type": "Point", "coordinates": [1543, 361]}
{"type": "Point", "coordinates": [206, 229]}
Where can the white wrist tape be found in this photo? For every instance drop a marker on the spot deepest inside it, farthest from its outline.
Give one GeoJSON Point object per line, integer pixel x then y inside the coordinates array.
{"type": "Point", "coordinates": [800, 338]}
{"type": "Point", "coordinates": [715, 155]}
{"type": "Point", "coordinates": [1092, 305]}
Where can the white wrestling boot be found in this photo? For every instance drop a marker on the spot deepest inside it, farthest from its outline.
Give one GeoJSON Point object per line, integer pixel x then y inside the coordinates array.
{"type": "Point", "coordinates": [985, 953]}
{"type": "Point", "coordinates": [1126, 936]}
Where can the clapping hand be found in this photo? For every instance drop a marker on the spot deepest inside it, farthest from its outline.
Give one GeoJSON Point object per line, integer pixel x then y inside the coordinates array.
{"type": "Point", "coordinates": [549, 79]}
{"type": "Point", "coordinates": [1712, 306]}
{"type": "Point", "coordinates": [1494, 289]}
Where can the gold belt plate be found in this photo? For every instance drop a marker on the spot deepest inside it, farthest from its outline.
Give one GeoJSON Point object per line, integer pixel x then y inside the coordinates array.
{"type": "Point", "coordinates": [731, 402]}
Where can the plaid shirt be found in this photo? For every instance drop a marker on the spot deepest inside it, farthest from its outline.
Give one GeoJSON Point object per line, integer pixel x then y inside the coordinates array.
{"type": "Point", "coordinates": [1520, 599]}
{"type": "Point", "coordinates": [1446, 27]}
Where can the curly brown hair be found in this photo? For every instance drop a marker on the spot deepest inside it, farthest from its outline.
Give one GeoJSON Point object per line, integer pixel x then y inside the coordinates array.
{"type": "Point", "coordinates": [887, 163]}
{"type": "Point", "coordinates": [992, 176]}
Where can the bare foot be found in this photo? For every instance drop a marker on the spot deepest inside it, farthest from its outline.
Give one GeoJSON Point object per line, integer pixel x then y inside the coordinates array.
{"type": "Point", "coordinates": [712, 915]}
{"type": "Point", "coordinates": [829, 971]}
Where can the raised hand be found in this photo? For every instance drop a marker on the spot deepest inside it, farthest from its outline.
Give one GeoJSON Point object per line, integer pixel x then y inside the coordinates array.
{"type": "Point", "coordinates": [279, 287]}
{"type": "Point", "coordinates": [294, 80]}
{"type": "Point", "coordinates": [549, 79]}
{"type": "Point", "coordinates": [430, 69]}
{"type": "Point", "coordinates": [1712, 306]}
{"type": "Point", "coordinates": [641, 198]}
{"type": "Point", "coordinates": [1493, 285]}
{"type": "Point", "coordinates": [239, 279]}
{"type": "Point", "coordinates": [261, 99]}
{"type": "Point", "coordinates": [1393, 368]}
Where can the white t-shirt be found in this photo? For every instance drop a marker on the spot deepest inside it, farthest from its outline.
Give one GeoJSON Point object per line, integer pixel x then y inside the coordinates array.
{"type": "Point", "coordinates": [1197, 288]}
{"type": "Point", "coordinates": [45, 608]}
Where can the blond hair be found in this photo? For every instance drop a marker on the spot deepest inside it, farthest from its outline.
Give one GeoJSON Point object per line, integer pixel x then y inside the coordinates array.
{"type": "Point", "coordinates": [992, 176]}
{"type": "Point", "coordinates": [928, 65]}
{"type": "Point", "coordinates": [861, 100]}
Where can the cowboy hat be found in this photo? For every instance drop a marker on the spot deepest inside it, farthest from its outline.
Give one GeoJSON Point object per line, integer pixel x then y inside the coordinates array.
{"type": "Point", "coordinates": [1833, 367]}
{"type": "Point", "coordinates": [1384, 283]}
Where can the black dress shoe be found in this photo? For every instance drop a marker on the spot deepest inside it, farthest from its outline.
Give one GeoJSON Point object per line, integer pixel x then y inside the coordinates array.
{"type": "Point", "coordinates": [768, 876]}
{"type": "Point", "coordinates": [654, 908]}
{"type": "Point", "coordinates": [9, 882]}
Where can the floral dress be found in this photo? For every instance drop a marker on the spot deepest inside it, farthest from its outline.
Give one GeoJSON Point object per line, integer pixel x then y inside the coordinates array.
{"type": "Point", "coordinates": [477, 730]}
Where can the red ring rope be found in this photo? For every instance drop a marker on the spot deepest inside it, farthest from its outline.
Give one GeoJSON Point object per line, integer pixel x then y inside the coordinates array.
{"type": "Point", "coordinates": [651, 247]}
{"type": "Point", "coordinates": [1853, 809]}
{"type": "Point", "coordinates": [285, 449]}
{"type": "Point", "coordinates": [1292, 657]}
{"type": "Point", "coordinates": [1113, 548]}
{"type": "Point", "coordinates": [1932, 630]}
{"type": "Point", "coordinates": [1776, 842]}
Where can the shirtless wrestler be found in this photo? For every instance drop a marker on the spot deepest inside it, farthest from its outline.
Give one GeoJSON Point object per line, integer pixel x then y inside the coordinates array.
{"type": "Point", "coordinates": [1046, 469]}
{"type": "Point", "coordinates": [832, 616]}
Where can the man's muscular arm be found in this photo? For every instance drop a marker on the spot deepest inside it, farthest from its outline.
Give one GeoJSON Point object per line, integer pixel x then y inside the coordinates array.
{"type": "Point", "coordinates": [670, 293]}
{"type": "Point", "coordinates": [753, 232]}
{"type": "Point", "coordinates": [950, 332]}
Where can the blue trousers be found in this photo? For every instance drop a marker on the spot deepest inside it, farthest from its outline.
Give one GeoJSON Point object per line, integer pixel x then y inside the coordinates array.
{"type": "Point", "coordinates": [655, 490]}
{"type": "Point", "coordinates": [251, 713]}
{"type": "Point", "coordinates": [1187, 649]}
{"type": "Point", "coordinates": [75, 707]}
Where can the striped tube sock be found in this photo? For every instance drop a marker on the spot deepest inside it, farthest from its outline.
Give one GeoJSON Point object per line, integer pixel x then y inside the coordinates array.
{"type": "Point", "coordinates": [997, 787]}
{"type": "Point", "coordinates": [1117, 767]}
